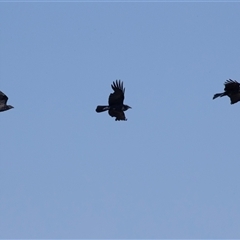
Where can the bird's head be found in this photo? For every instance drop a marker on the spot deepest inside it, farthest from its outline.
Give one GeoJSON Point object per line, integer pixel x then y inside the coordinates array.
{"type": "Point", "coordinates": [126, 107]}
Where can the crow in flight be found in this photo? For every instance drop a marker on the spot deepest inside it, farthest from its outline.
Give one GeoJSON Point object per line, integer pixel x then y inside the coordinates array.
{"type": "Point", "coordinates": [3, 102]}
{"type": "Point", "coordinates": [232, 90]}
{"type": "Point", "coordinates": [115, 106]}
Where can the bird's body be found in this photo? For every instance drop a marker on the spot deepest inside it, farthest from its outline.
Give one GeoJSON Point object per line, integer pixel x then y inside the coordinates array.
{"type": "Point", "coordinates": [115, 106]}
{"type": "Point", "coordinates": [232, 90]}
{"type": "Point", "coordinates": [3, 102]}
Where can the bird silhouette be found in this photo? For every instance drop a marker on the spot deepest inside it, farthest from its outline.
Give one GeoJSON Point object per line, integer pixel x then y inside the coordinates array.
{"type": "Point", "coordinates": [232, 90]}
{"type": "Point", "coordinates": [115, 105]}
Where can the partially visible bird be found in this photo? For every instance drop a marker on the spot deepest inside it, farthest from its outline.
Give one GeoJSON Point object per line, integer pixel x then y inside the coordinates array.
{"type": "Point", "coordinates": [115, 106]}
{"type": "Point", "coordinates": [232, 90]}
{"type": "Point", "coordinates": [3, 102]}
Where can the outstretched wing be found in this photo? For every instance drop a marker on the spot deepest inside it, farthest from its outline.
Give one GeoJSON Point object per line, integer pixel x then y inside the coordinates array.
{"type": "Point", "coordinates": [119, 115]}
{"type": "Point", "coordinates": [231, 86]}
{"type": "Point", "coordinates": [232, 90]}
{"type": "Point", "coordinates": [117, 97]}
{"type": "Point", "coordinates": [3, 98]}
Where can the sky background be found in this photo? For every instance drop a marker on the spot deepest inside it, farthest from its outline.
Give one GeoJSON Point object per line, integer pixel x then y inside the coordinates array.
{"type": "Point", "coordinates": [170, 171]}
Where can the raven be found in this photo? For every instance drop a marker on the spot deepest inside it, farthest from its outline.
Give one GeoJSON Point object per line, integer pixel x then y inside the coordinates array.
{"type": "Point", "coordinates": [232, 90]}
{"type": "Point", "coordinates": [3, 102]}
{"type": "Point", "coordinates": [115, 106]}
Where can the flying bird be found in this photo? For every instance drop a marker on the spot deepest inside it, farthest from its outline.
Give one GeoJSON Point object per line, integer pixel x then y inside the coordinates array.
{"type": "Point", "coordinates": [3, 102]}
{"type": "Point", "coordinates": [232, 90]}
{"type": "Point", "coordinates": [115, 106]}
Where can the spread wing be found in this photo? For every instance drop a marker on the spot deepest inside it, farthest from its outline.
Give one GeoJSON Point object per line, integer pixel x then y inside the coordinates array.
{"type": "Point", "coordinates": [118, 114]}
{"type": "Point", "coordinates": [3, 98]}
{"type": "Point", "coordinates": [232, 90]}
{"type": "Point", "coordinates": [231, 86]}
{"type": "Point", "coordinates": [117, 97]}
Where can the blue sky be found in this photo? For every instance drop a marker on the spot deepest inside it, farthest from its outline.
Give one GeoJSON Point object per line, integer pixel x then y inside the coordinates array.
{"type": "Point", "coordinates": [170, 171]}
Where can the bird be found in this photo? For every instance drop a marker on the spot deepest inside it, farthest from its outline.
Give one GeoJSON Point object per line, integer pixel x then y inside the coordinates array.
{"type": "Point", "coordinates": [115, 106]}
{"type": "Point", "coordinates": [3, 102]}
{"type": "Point", "coordinates": [232, 90]}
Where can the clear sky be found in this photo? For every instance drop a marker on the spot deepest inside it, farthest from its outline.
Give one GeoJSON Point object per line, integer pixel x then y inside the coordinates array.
{"type": "Point", "coordinates": [171, 171]}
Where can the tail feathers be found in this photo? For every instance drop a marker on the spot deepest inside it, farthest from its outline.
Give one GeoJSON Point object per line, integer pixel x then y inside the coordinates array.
{"type": "Point", "coordinates": [102, 108]}
{"type": "Point", "coordinates": [218, 95]}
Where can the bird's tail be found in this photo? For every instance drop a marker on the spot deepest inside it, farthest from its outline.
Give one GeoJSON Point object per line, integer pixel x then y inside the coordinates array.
{"type": "Point", "coordinates": [102, 108]}
{"type": "Point", "coordinates": [218, 95]}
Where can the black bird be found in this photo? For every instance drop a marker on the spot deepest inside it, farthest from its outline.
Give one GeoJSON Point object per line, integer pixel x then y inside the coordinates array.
{"type": "Point", "coordinates": [3, 102]}
{"type": "Point", "coordinates": [232, 90]}
{"type": "Point", "coordinates": [115, 106]}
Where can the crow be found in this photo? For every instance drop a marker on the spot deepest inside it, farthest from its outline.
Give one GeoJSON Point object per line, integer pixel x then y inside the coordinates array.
{"type": "Point", "coordinates": [115, 106]}
{"type": "Point", "coordinates": [232, 90]}
{"type": "Point", "coordinates": [3, 102]}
